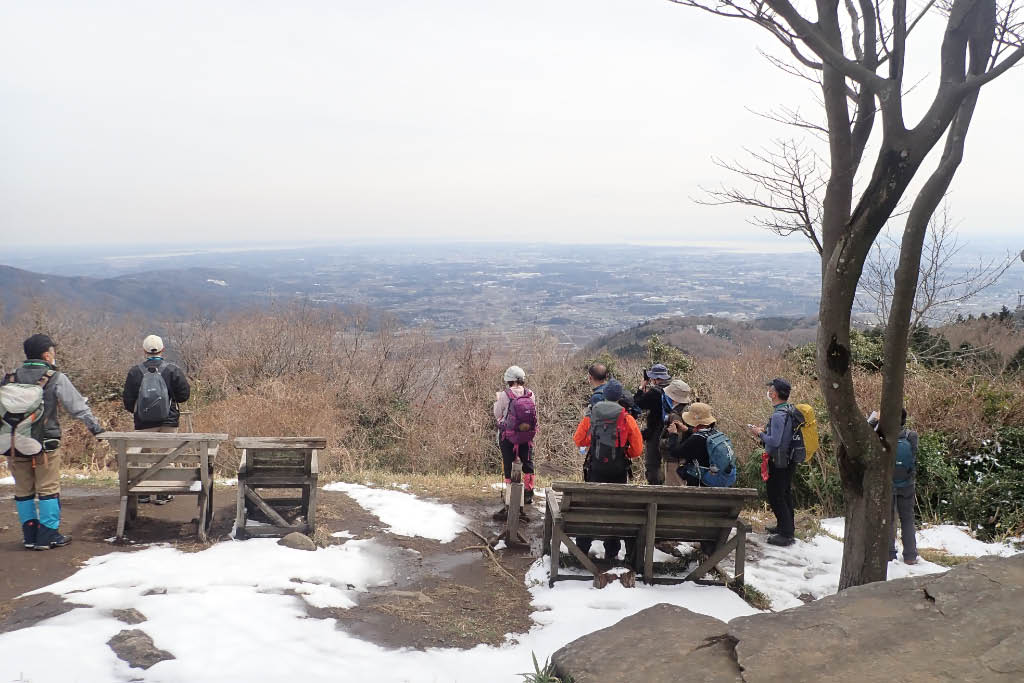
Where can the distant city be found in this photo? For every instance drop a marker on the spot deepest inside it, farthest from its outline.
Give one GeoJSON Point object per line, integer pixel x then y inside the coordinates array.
{"type": "Point", "coordinates": [500, 290]}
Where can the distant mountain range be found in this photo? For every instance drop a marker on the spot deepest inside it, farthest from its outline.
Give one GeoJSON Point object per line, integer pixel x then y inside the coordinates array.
{"type": "Point", "coordinates": [710, 336]}
{"type": "Point", "coordinates": [159, 294]}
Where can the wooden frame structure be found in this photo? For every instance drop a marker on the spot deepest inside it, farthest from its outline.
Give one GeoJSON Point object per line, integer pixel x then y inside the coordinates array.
{"type": "Point", "coordinates": [646, 514]}
{"type": "Point", "coordinates": [513, 495]}
{"type": "Point", "coordinates": [276, 463]}
{"type": "Point", "coordinates": [154, 463]}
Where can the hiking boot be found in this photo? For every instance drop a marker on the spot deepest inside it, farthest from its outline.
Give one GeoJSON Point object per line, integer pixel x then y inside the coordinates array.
{"type": "Point", "coordinates": [912, 560]}
{"type": "Point", "coordinates": [143, 499]}
{"type": "Point", "coordinates": [779, 539]}
{"type": "Point", "coordinates": [528, 496]}
{"type": "Point", "coordinates": [771, 530]}
{"type": "Point", "coordinates": [501, 515]}
{"type": "Point", "coordinates": [47, 538]}
{"type": "Point", "coordinates": [523, 517]}
{"type": "Point", "coordinates": [163, 499]}
{"type": "Point", "coordinates": [29, 530]}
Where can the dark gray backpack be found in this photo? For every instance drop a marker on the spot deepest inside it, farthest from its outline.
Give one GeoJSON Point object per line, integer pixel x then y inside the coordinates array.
{"type": "Point", "coordinates": [154, 402]}
{"type": "Point", "coordinates": [607, 457]}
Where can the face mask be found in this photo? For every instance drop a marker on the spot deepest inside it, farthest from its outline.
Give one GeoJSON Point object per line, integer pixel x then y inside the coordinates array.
{"type": "Point", "coordinates": [768, 394]}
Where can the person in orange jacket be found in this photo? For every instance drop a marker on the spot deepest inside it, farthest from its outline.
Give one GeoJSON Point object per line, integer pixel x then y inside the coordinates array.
{"type": "Point", "coordinates": [612, 439]}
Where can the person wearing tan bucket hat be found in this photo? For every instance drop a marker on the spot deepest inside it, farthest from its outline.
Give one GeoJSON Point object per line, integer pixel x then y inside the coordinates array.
{"type": "Point", "coordinates": [706, 456]}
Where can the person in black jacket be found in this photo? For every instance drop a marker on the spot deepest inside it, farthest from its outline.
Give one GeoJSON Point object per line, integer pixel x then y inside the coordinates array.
{"type": "Point", "coordinates": [650, 397]}
{"type": "Point", "coordinates": [178, 391]}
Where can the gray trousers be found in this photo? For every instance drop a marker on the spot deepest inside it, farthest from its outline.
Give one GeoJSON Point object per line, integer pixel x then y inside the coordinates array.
{"type": "Point", "coordinates": [903, 517]}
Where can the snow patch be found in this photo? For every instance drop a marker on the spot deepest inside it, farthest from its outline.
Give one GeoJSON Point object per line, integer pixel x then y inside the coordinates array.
{"type": "Point", "coordinates": [7, 481]}
{"type": "Point", "coordinates": [219, 283]}
{"type": "Point", "coordinates": [404, 513]}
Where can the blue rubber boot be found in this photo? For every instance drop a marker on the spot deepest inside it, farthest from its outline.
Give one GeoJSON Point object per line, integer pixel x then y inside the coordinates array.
{"type": "Point", "coordinates": [48, 535]}
{"type": "Point", "coordinates": [29, 519]}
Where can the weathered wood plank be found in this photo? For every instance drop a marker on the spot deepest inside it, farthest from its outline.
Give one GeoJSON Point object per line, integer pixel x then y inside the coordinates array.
{"type": "Point", "coordinates": [165, 459]}
{"type": "Point", "coordinates": [166, 438]}
{"type": "Point", "coordinates": [270, 512]}
{"type": "Point", "coordinates": [166, 474]}
{"type": "Point", "coordinates": [717, 556]}
{"type": "Point", "coordinates": [286, 442]}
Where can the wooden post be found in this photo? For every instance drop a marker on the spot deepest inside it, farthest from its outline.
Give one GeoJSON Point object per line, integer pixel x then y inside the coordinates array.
{"type": "Point", "coordinates": [652, 524]}
{"type": "Point", "coordinates": [741, 552]}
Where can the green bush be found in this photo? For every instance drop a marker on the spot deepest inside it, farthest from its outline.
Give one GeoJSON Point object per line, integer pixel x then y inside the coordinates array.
{"type": "Point", "coordinates": [980, 485]}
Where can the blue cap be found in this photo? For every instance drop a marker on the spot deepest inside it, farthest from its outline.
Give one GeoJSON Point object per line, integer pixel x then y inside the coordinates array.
{"type": "Point", "coordinates": [613, 390]}
{"type": "Point", "coordinates": [658, 371]}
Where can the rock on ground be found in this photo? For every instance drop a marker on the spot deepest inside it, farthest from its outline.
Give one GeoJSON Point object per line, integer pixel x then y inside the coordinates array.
{"type": "Point", "coordinates": [137, 648]}
{"type": "Point", "coordinates": [297, 541]}
{"type": "Point", "coordinates": [661, 643]}
{"type": "Point", "coordinates": [129, 616]}
{"type": "Point", "coordinates": [964, 625]}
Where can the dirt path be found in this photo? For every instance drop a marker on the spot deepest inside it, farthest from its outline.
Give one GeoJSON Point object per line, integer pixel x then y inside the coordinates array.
{"type": "Point", "coordinates": [443, 595]}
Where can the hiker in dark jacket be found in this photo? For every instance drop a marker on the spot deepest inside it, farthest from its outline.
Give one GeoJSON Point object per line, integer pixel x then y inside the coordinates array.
{"type": "Point", "coordinates": [178, 388]}
{"type": "Point", "coordinates": [688, 442]}
{"type": "Point", "coordinates": [777, 438]}
{"type": "Point", "coordinates": [178, 391]}
{"type": "Point", "coordinates": [904, 492]}
{"type": "Point", "coordinates": [38, 474]}
{"type": "Point", "coordinates": [650, 397]}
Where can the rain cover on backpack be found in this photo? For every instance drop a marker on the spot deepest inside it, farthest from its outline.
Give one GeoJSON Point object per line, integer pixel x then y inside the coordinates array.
{"type": "Point", "coordinates": [607, 457]}
{"type": "Point", "coordinates": [21, 406]}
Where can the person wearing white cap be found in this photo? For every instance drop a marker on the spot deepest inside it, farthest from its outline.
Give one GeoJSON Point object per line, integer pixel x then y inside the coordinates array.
{"type": "Point", "coordinates": [152, 391]}
{"type": "Point", "coordinates": [515, 411]}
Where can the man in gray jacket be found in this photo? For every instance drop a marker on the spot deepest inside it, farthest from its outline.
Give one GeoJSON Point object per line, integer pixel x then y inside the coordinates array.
{"type": "Point", "coordinates": [39, 474]}
{"type": "Point", "coordinates": [777, 438]}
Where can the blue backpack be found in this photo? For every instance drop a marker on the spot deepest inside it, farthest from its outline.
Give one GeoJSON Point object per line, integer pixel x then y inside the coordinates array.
{"type": "Point", "coordinates": [903, 470]}
{"type": "Point", "coordinates": [722, 459]}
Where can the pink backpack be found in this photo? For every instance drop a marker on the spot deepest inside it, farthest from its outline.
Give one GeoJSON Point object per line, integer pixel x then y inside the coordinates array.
{"type": "Point", "coordinates": [520, 423]}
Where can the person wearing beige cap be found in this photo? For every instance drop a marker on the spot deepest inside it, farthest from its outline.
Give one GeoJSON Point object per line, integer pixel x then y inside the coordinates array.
{"type": "Point", "coordinates": [152, 391]}
{"type": "Point", "coordinates": [679, 395]}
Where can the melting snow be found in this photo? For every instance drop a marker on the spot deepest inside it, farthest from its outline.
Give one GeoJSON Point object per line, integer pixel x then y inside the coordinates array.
{"type": "Point", "coordinates": [405, 514]}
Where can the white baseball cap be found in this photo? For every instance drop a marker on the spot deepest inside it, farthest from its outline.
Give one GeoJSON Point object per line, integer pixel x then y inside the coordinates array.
{"type": "Point", "coordinates": [152, 344]}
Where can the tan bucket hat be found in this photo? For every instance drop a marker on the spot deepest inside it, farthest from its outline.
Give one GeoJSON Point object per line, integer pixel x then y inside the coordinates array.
{"type": "Point", "coordinates": [679, 391]}
{"type": "Point", "coordinates": [699, 414]}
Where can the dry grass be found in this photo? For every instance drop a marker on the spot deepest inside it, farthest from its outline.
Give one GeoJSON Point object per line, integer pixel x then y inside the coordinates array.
{"type": "Point", "coordinates": [397, 400]}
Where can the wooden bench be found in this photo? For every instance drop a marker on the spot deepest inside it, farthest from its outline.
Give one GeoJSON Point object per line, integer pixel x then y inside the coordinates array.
{"type": "Point", "coordinates": [157, 463]}
{"type": "Point", "coordinates": [269, 463]}
{"type": "Point", "coordinates": [645, 514]}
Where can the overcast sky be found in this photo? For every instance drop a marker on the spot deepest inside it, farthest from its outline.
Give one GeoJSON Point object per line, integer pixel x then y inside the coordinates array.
{"type": "Point", "coordinates": [564, 120]}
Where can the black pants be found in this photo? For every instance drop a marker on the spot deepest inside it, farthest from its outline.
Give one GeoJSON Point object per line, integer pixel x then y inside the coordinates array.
{"type": "Point", "coordinates": [652, 460]}
{"type": "Point", "coordinates": [780, 496]}
{"type": "Point", "coordinates": [508, 454]}
{"type": "Point", "coordinates": [903, 518]}
{"type": "Point", "coordinates": [611, 545]}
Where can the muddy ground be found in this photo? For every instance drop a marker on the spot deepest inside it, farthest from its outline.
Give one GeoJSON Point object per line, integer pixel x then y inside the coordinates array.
{"type": "Point", "coordinates": [443, 595]}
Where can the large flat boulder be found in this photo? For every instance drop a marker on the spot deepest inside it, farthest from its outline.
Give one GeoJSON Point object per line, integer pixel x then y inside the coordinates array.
{"type": "Point", "coordinates": [661, 643]}
{"type": "Point", "coordinates": [964, 625]}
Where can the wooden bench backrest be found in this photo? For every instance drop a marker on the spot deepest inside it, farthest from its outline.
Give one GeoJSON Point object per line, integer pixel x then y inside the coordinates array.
{"type": "Point", "coordinates": [694, 513]}
{"type": "Point", "coordinates": [281, 456]}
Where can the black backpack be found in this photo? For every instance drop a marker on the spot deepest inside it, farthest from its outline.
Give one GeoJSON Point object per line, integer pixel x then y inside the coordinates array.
{"type": "Point", "coordinates": [154, 401]}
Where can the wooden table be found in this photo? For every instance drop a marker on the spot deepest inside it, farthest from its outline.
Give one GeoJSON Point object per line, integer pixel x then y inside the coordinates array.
{"type": "Point", "coordinates": [157, 463]}
{"type": "Point", "coordinates": [277, 462]}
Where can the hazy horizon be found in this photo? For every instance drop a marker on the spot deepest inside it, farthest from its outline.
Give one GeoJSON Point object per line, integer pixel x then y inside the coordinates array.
{"type": "Point", "coordinates": [590, 121]}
